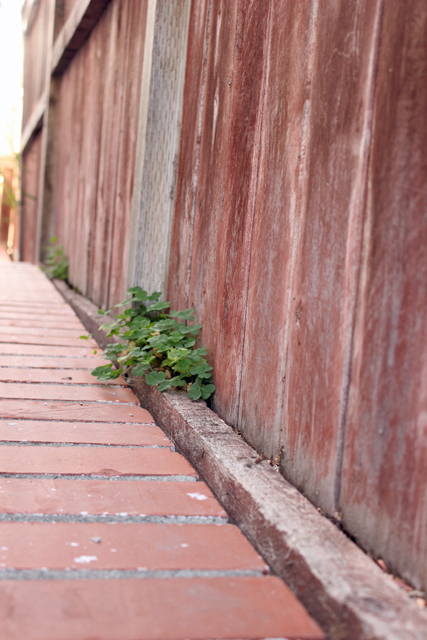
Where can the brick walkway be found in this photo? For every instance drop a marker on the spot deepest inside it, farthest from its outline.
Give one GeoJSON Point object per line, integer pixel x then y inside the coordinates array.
{"type": "Point", "coordinates": [106, 533]}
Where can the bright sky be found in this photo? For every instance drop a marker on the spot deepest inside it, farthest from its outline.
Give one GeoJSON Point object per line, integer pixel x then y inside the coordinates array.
{"type": "Point", "coordinates": [10, 75]}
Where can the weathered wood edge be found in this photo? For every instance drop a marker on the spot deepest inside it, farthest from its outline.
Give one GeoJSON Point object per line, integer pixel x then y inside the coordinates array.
{"type": "Point", "coordinates": [75, 32]}
{"type": "Point", "coordinates": [341, 587]}
{"type": "Point", "coordinates": [34, 122]}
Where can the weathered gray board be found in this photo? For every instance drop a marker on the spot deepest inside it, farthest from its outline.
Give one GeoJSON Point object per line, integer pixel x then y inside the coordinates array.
{"type": "Point", "coordinates": [158, 144]}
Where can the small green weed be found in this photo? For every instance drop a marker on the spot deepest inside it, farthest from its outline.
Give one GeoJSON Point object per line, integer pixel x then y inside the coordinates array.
{"type": "Point", "coordinates": [56, 261]}
{"type": "Point", "coordinates": [157, 345]}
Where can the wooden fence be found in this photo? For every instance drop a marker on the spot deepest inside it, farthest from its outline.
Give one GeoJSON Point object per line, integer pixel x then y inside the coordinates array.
{"type": "Point", "coordinates": [265, 163]}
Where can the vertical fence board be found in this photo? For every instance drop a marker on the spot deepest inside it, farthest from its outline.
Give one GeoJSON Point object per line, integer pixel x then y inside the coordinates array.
{"type": "Point", "coordinates": [186, 185]}
{"type": "Point", "coordinates": [203, 287]}
{"type": "Point", "coordinates": [30, 192]}
{"type": "Point", "coordinates": [260, 414]}
{"type": "Point", "coordinates": [109, 147]}
{"type": "Point", "coordinates": [96, 151]}
{"type": "Point", "coordinates": [327, 256]}
{"type": "Point", "coordinates": [235, 240]}
{"type": "Point", "coordinates": [36, 43]}
{"type": "Point", "coordinates": [384, 492]}
{"type": "Point", "coordinates": [129, 128]}
{"type": "Point", "coordinates": [89, 169]}
{"type": "Point", "coordinates": [79, 101]}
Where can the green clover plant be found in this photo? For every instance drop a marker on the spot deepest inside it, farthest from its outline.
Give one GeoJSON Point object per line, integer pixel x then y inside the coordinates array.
{"type": "Point", "coordinates": [56, 261]}
{"type": "Point", "coordinates": [157, 345]}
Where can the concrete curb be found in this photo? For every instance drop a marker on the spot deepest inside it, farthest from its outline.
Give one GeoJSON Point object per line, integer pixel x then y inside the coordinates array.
{"type": "Point", "coordinates": [341, 587]}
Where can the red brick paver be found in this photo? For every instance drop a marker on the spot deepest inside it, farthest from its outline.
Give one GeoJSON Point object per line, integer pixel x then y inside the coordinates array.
{"type": "Point", "coordinates": [9, 374]}
{"type": "Point", "coordinates": [105, 531]}
{"type": "Point", "coordinates": [63, 392]}
{"type": "Point", "coordinates": [82, 432]}
{"type": "Point", "coordinates": [99, 498]}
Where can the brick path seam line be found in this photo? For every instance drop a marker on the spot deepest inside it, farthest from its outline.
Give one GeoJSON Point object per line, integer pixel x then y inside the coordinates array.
{"type": "Point", "coordinates": [36, 443]}
{"type": "Point", "coordinates": [112, 519]}
{"type": "Point", "coordinates": [114, 574]}
{"type": "Point", "coordinates": [68, 476]}
{"type": "Point", "coordinates": [73, 385]}
{"type": "Point", "coordinates": [81, 403]}
{"type": "Point", "coordinates": [80, 421]}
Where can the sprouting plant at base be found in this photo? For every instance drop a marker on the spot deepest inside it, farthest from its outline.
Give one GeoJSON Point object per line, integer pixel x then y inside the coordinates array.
{"type": "Point", "coordinates": [157, 345]}
{"type": "Point", "coordinates": [56, 261]}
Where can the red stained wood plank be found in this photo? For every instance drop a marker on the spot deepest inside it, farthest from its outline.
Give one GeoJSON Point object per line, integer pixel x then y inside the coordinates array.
{"type": "Point", "coordinates": [32, 545]}
{"type": "Point", "coordinates": [107, 461]}
{"type": "Point", "coordinates": [97, 497]}
{"type": "Point", "coordinates": [81, 432]}
{"type": "Point", "coordinates": [77, 393]}
{"type": "Point", "coordinates": [36, 41]}
{"type": "Point", "coordinates": [205, 259]}
{"type": "Point", "coordinates": [383, 496]}
{"type": "Point", "coordinates": [186, 185]}
{"type": "Point", "coordinates": [30, 190]}
{"type": "Point", "coordinates": [108, 154]}
{"type": "Point", "coordinates": [249, 608]}
{"type": "Point", "coordinates": [328, 246]}
{"type": "Point", "coordinates": [96, 153]}
{"type": "Point", "coordinates": [235, 239]}
{"type": "Point", "coordinates": [79, 23]}
{"type": "Point", "coordinates": [85, 412]}
{"type": "Point", "coordinates": [277, 202]}
{"type": "Point", "coordinates": [119, 243]}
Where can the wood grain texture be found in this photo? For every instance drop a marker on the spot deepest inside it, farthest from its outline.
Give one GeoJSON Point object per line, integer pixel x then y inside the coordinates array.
{"type": "Point", "coordinates": [205, 257]}
{"type": "Point", "coordinates": [276, 212]}
{"type": "Point", "coordinates": [186, 184]}
{"type": "Point", "coordinates": [322, 308]}
{"type": "Point", "coordinates": [36, 44]}
{"type": "Point", "coordinates": [384, 495]}
{"type": "Point", "coordinates": [96, 153]}
{"type": "Point", "coordinates": [34, 122]}
{"type": "Point", "coordinates": [235, 241]}
{"type": "Point", "coordinates": [119, 246]}
{"type": "Point", "coordinates": [78, 22]}
{"type": "Point", "coordinates": [30, 189]}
